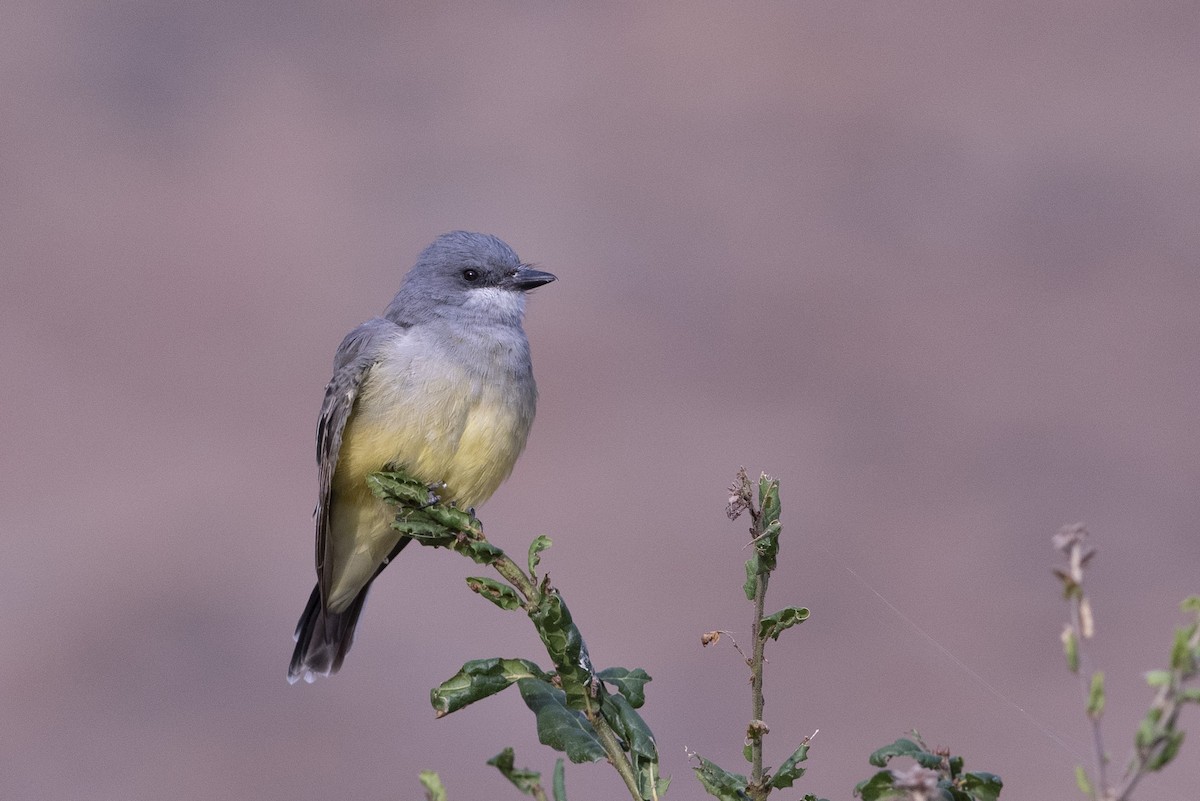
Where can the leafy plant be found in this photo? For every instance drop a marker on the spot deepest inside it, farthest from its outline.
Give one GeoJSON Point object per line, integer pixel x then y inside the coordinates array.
{"type": "Point", "coordinates": [765, 528]}
{"type": "Point", "coordinates": [936, 775]}
{"type": "Point", "coordinates": [1158, 738]}
{"type": "Point", "coordinates": [588, 715]}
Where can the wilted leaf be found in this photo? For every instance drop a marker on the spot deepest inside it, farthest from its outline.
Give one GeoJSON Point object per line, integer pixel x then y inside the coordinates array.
{"type": "Point", "coordinates": [774, 625]}
{"type": "Point", "coordinates": [478, 679]}
{"type": "Point", "coordinates": [497, 592]}
{"type": "Point", "coordinates": [540, 543]}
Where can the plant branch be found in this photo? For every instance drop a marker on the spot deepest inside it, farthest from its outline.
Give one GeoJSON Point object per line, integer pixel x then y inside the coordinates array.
{"type": "Point", "coordinates": [1158, 739]}
{"type": "Point", "coordinates": [422, 517]}
{"type": "Point", "coordinates": [1070, 540]}
{"type": "Point", "coordinates": [757, 700]}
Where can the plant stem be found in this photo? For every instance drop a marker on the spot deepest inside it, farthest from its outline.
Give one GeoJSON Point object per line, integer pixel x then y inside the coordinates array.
{"type": "Point", "coordinates": [515, 576]}
{"type": "Point", "coordinates": [757, 729]}
{"type": "Point", "coordinates": [756, 679]}
{"type": "Point", "coordinates": [1085, 682]}
{"type": "Point", "coordinates": [616, 755]}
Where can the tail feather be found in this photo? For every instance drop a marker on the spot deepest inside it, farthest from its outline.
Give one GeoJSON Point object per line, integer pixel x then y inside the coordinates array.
{"type": "Point", "coordinates": [323, 637]}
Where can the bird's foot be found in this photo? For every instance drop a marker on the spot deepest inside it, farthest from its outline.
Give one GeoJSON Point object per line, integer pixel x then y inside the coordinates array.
{"type": "Point", "coordinates": [434, 488]}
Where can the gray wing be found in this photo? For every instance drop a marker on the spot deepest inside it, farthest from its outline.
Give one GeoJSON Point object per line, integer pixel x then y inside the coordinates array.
{"type": "Point", "coordinates": [354, 358]}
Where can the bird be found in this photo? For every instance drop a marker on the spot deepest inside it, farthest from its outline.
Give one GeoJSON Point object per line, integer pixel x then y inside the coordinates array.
{"type": "Point", "coordinates": [440, 386]}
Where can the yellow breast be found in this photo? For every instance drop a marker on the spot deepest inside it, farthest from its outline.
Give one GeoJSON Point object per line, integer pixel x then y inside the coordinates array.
{"type": "Point", "coordinates": [451, 428]}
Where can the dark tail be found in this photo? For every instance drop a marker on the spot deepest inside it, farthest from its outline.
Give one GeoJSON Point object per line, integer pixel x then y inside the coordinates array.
{"type": "Point", "coordinates": [323, 637]}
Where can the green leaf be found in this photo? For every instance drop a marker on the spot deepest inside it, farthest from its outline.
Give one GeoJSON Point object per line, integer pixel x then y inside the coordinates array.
{"type": "Point", "coordinates": [748, 752]}
{"type": "Point", "coordinates": [768, 497]}
{"type": "Point", "coordinates": [478, 679]}
{"type": "Point", "coordinates": [1158, 678]}
{"type": "Point", "coordinates": [751, 585]}
{"type": "Point", "coordinates": [1095, 702]}
{"type": "Point", "coordinates": [982, 786]}
{"type": "Point", "coordinates": [774, 625]}
{"type": "Point", "coordinates": [790, 770]}
{"type": "Point", "coordinates": [400, 489]}
{"type": "Point", "coordinates": [497, 592]}
{"type": "Point", "coordinates": [1083, 782]}
{"type": "Point", "coordinates": [1148, 729]}
{"type": "Point", "coordinates": [877, 788]}
{"type": "Point", "coordinates": [558, 726]}
{"type": "Point", "coordinates": [767, 543]}
{"type": "Point", "coordinates": [1071, 649]}
{"type": "Point", "coordinates": [1190, 604]}
{"type": "Point", "coordinates": [523, 779]}
{"type": "Point", "coordinates": [1191, 694]}
{"type": "Point", "coordinates": [1181, 653]}
{"type": "Point", "coordinates": [1071, 588]}
{"type": "Point", "coordinates": [902, 747]}
{"type": "Point", "coordinates": [560, 781]}
{"type": "Point", "coordinates": [423, 530]}
{"type": "Point", "coordinates": [565, 646]}
{"type": "Point", "coordinates": [636, 738]}
{"type": "Point", "coordinates": [630, 683]}
{"type": "Point", "coordinates": [452, 518]}
{"type": "Point", "coordinates": [1164, 753]}
{"type": "Point", "coordinates": [481, 553]}
{"type": "Point", "coordinates": [428, 522]}
{"type": "Point", "coordinates": [719, 782]}
{"type": "Point", "coordinates": [434, 791]}
{"type": "Point", "coordinates": [540, 543]}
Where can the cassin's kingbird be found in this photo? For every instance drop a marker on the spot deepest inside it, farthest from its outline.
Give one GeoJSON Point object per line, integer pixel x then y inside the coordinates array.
{"type": "Point", "coordinates": [440, 385]}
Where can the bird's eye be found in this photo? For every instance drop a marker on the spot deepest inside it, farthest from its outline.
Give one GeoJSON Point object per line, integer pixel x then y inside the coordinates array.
{"type": "Point", "coordinates": [470, 275]}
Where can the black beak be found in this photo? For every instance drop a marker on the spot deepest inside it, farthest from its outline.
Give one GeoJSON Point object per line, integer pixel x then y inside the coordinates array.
{"type": "Point", "coordinates": [528, 278]}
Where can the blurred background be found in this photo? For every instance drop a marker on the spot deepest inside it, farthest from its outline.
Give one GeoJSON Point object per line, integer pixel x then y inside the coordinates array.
{"type": "Point", "coordinates": [933, 265]}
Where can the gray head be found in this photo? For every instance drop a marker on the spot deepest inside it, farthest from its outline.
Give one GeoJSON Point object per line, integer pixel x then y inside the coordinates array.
{"type": "Point", "coordinates": [466, 275]}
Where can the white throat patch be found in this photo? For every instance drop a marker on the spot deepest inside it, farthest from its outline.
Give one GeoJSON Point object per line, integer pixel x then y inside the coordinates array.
{"type": "Point", "coordinates": [495, 303]}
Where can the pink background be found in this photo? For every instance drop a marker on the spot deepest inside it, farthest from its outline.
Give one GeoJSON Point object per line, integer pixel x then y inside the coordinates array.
{"type": "Point", "coordinates": [933, 265]}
